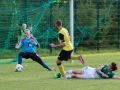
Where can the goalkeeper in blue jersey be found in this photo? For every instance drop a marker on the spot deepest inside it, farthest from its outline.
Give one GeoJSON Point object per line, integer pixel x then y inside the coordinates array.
{"type": "Point", "coordinates": [103, 72]}
{"type": "Point", "coordinates": [28, 43]}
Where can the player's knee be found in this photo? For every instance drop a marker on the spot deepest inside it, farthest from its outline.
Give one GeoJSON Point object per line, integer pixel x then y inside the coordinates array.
{"type": "Point", "coordinates": [73, 71]}
{"type": "Point", "coordinates": [74, 76]}
{"type": "Point", "coordinates": [59, 64]}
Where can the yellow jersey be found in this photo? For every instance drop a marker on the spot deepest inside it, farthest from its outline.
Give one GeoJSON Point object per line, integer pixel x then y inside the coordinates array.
{"type": "Point", "coordinates": [65, 38]}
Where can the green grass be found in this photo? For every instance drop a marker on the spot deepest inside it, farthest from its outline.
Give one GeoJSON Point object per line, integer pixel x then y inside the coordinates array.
{"type": "Point", "coordinates": [35, 77]}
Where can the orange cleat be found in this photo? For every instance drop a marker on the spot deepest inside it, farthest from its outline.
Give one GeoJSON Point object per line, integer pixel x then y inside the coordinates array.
{"type": "Point", "coordinates": [81, 59]}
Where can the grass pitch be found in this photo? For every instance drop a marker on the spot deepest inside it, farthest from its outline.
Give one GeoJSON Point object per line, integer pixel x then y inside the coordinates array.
{"type": "Point", "coordinates": [35, 77]}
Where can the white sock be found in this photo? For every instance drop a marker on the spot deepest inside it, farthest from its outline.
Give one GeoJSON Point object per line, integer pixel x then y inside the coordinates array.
{"type": "Point", "coordinates": [68, 76]}
{"type": "Point", "coordinates": [68, 72]}
{"type": "Point", "coordinates": [65, 72]}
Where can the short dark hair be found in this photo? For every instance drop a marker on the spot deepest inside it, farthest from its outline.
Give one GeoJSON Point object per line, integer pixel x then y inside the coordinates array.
{"type": "Point", "coordinates": [59, 22]}
{"type": "Point", "coordinates": [114, 66]}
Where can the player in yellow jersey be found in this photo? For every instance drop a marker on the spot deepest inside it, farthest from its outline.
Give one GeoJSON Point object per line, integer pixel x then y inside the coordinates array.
{"type": "Point", "coordinates": [67, 47]}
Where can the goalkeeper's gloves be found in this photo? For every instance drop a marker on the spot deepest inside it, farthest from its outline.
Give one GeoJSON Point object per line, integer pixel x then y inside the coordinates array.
{"type": "Point", "coordinates": [33, 42]}
{"type": "Point", "coordinates": [17, 46]}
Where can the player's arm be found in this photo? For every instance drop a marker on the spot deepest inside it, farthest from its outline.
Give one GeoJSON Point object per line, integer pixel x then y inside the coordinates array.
{"type": "Point", "coordinates": [18, 46]}
{"type": "Point", "coordinates": [62, 44]}
{"type": "Point", "coordinates": [35, 42]}
{"type": "Point", "coordinates": [115, 77]}
{"type": "Point", "coordinates": [18, 39]}
{"type": "Point", "coordinates": [99, 71]}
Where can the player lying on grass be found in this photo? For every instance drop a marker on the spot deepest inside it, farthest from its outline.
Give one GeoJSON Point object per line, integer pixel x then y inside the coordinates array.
{"type": "Point", "coordinates": [105, 71]}
{"type": "Point", "coordinates": [28, 43]}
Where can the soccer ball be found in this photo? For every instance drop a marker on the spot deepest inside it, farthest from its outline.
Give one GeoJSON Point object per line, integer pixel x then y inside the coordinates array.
{"type": "Point", "coordinates": [18, 67]}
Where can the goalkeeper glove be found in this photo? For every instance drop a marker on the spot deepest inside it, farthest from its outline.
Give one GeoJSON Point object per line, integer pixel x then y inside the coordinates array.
{"type": "Point", "coordinates": [17, 46]}
{"type": "Point", "coordinates": [33, 42]}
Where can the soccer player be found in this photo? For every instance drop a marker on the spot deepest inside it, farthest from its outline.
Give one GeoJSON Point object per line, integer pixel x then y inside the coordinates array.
{"type": "Point", "coordinates": [21, 34]}
{"type": "Point", "coordinates": [24, 26]}
{"type": "Point", "coordinates": [105, 71]}
{"type": "Point", "coordinates": [28, 43]}
{"type": "Point", "coordinates": [66, 46]}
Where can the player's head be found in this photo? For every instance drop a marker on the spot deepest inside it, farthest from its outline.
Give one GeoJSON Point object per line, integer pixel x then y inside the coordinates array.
{"type": "Point", "coordinates": [27, 32]}
{"type": "Point", "coordinates": [58, 23]}
{"type": "Point", "coordinates": [24, 26]}
{"type": "Point", "coordinates": [113, 66]}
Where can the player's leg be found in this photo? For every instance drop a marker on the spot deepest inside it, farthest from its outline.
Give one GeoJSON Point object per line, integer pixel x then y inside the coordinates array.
{"type": "Point", "coordinates": [61, 57]}
{"type": "Point", "coordinates": [20, 56]}
{"type": "Point", "coordinates": [86, 72]}
{"type": "Point", "coordinates": [70, 73]}
{"type": "Point", "coordinates": [61, 67]}
{"type": "Point", "coordinates": [64, 55]}
{"type": "Point", "coordinates": [76, 76]}
{"type": "Point", "coordinates": [74, 71]}
{"type": "Point", "coordinates": [36, 58]}
{"type": "Point", "coordinates": [69, 57]}
{"type": "Point", "coordinates": [77, 58]}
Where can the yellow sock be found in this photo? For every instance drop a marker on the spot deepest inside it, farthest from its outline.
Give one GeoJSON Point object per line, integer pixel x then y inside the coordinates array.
{"type": "Point", "coordinates": [73, 58]}
{"type": "Point", "coordinates": [61, 69]}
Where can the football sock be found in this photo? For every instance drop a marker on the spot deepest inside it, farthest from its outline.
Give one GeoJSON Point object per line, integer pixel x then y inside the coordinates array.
{"type": "Point", "coordinates": [69, 71]}
{"type": "Point", "coordinates": [46, 66]}
{"type": "Point", "coordinates": [19, 59]}
{"type": "Point", "coordinates": [69, 76]}
{"type": "Point", "coordinates": [61, 69]}
{"type": "Point", "coordinates": [73, 58]}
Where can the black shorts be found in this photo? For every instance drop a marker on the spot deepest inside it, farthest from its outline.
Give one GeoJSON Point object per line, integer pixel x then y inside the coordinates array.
{"type": "Point", "coordinates": [64, 55]}
{"type": "Point", "coordinates": [33, 56]}
{"type": "Point", "coordinates": [28, 55]}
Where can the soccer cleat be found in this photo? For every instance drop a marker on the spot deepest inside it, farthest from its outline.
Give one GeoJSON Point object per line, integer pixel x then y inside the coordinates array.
{"type": "Point", "coordinates": [57, 75]}
{"type": "Point", "coordinates": [62, 78]}
{"type": "Point", "coordinates": [52, 69]}
{"type": "Point", "coordinates": [81, 59]}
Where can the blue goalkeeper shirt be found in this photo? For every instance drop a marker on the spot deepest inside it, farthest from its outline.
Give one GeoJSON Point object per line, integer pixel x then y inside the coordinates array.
{"type": "Point", "coordinates": [28, 45]}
